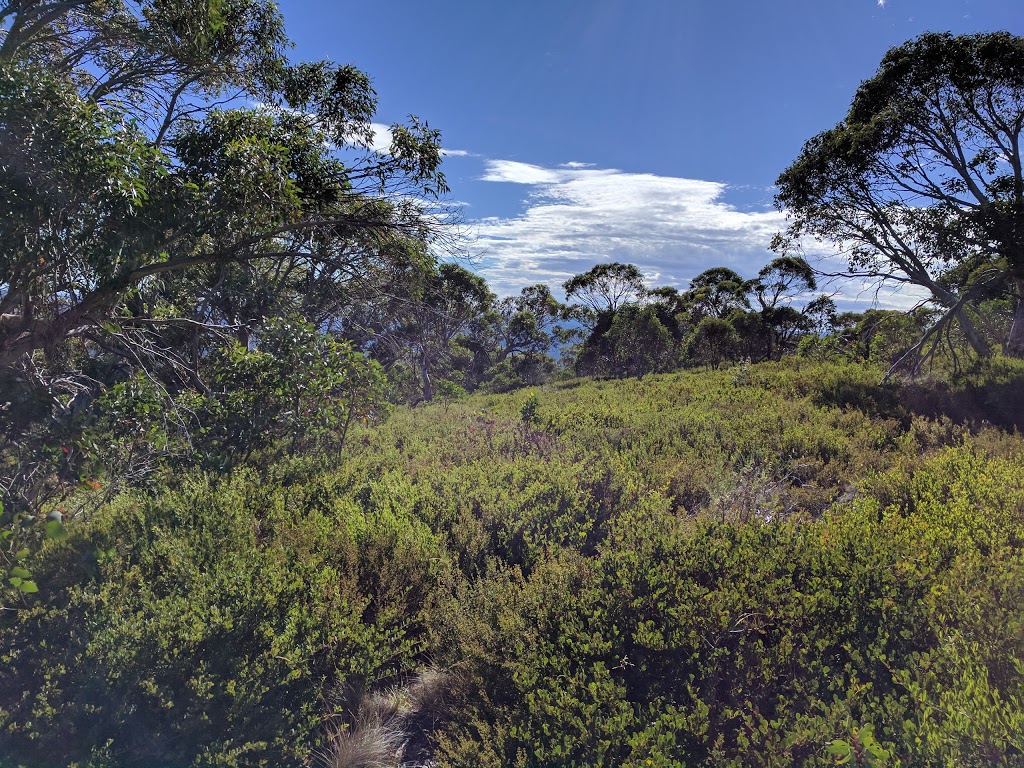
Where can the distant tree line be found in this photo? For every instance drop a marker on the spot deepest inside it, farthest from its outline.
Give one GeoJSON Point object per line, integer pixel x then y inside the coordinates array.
{"type": "Point", "coordinates": [448, 334]}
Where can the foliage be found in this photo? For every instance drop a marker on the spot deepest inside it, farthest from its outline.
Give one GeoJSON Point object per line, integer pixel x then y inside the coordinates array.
{"type": "Point", "coordinates": [712, 342]}
{"type": "Point", "coordinates": [781, 279]}
{"type": "Point", "coordinates": [716, 292]}
{"type": "Point", "coordinates": [642, 344]}
{"type": "Point", "coordinates": [753, 644]}
{"type": "Point", "coordinates": [429, 327]}
{"type": "Point", "coordinates": [295, 392]}
{"type": "Point", "coordinates": [921, 184]}
{"type": "Point", "coordinates": [124, 172]}
{"type": "Point", "coordinates": [529, 412]}
{"type": "Point", "coordinates": [175, 190]}
{"type": "Point", "coordinates": [525, 328]}
{"type": "Point", "coordinates": [16, 581]}
{"type": "Point", "coordinates": [862, 749]}
{"type": "Point", "coordinates": [632, 331]}
{"type": "Point", "coordinates": [204, 626]}
{"type": "Point", "coordinates": [298, 390]}
{"type": "Point", "coordinates": [689, 568]}
{"type": "Point", "coordinates": [605, 287]}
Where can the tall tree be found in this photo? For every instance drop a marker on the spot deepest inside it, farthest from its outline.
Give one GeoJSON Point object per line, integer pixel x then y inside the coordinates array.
{"type": "Point", "coordinates": [782, 279]}
{"type": "Point", "coordinates": [171, 183]}
{"type": "Point", "coordinates": [606, 287]}
{"type": "Point", "coordinates": [716, 292]}
{"type": "Point", "coordinates": [528, 322]}
{"type": "Point", "coordinates": [141, 194]}
{"type": "Point", "coordinates": [639, 342]}
{"type": "Point", "coordinates": [603, 292]}
{"type": "Point", "coordinates": [421, 329]}
{"type": "Point", "coordinates": [923, 183]}
{"type": "Point", "coordinates": [712, 342]}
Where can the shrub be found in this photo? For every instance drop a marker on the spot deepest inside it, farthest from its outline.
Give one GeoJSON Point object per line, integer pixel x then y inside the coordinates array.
{"type": "Point", "coordinates": [204, 626]}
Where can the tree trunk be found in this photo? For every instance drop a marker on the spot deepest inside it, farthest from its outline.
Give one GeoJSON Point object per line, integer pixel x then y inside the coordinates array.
{"type": "Point", "coordinates": [37, 334]}
{"type": "Point", "coordinates": [945, 297]}
{"type": "Point", "coordinates": [978, 344]}
{"type": "Point", "coordinates": [428, 385]}
{"type": "Point", "coordinates": [1015, 342]}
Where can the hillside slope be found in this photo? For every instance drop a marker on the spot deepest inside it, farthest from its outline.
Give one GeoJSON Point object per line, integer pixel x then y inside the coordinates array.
{"type": "Point", "coordinates": [738, 567]}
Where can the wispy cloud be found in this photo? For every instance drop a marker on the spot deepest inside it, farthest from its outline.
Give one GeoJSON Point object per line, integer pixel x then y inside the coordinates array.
{"type": "Point", "coordinates": [574, 217]}
{"type": "Point", "coordinates": [671, 228]}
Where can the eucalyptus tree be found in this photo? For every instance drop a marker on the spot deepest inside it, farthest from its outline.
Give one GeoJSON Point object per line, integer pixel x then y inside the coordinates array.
{"type": "Point", "coordinates": [713, 342]}
{"type": "Point", "coordinates": [170, 183]}
{"type": "Point", "coordinates": [438, 315]}
{"type": "Point", "coordinates": [604, 293]}
{"type": "Point", "coordinates": [639, 343]}
{"type": "Point", "coordinates": [777, 284]}
{"type": "Point", "coordinates": [604, 288]}
{"type": "Point", "coordinates": [922, 183]}
{"type": "Point", "coordinates": [782, 280]}
{"type": "Point", "coordinates": [716, 292]}
{"type": "Point", "coordinates": [529, 322]}
{"type": "Point", "coordinates": [168, 170]}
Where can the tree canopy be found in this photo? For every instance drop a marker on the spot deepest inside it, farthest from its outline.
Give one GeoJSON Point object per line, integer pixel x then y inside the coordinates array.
{"type": "Point", "coordinates": [922, 182]}
{"type": "Point", "coordinates": [168, 170]}
{"type": "Point", "coordinates": [605, 287]}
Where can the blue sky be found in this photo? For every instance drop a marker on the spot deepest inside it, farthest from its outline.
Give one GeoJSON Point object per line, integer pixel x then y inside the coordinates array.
{"type": "Point", "coordinates": [648, 131]}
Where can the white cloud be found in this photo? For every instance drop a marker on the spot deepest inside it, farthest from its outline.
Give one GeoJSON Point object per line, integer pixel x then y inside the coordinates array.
{"type": "Point", "coordinates": [671, 228]}
{"type": "Point", "coordinates": [519, 173]}
{"type": "Point", "coordinates": [381, 140]}
{"type": "Point", "coordinates": [576, 164]}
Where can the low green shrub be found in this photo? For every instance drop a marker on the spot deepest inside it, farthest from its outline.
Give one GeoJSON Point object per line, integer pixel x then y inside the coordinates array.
{"type": "Point", "coordinates": [206, 626]}
{"type": "Point", "coordinates": [688, 569]}
{"type": "Point", "coordinates": [762, 644]}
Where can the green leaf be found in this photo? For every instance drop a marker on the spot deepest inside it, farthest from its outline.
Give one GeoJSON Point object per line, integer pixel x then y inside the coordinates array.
{"type": "Point", "coordinates": [877, 752]}
{"type": "Point", "coordinates": [15, 581]}
{"type": "Point", "coordinates": [841, 750]}
{"type": "Point", "coordinates": [28, 587]}
{"type": "Point", "coordinates": [55, 530]}
{"type": "Point", "coordinates": [20, 572]}
{"type": "Point", "coordinates": [21, 554]}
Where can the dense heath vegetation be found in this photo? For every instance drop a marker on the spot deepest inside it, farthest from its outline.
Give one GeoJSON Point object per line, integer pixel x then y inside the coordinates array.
{"type": "Point", "coordinates": [736, 567]}
{"type": "Point", "coordinates": [283, 483]}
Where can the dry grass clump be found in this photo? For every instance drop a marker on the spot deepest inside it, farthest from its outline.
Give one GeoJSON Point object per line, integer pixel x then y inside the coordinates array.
{"type": "Point", "coordinates": [390, 728]}
{"type": "Point", "coordinates": [370, 742]}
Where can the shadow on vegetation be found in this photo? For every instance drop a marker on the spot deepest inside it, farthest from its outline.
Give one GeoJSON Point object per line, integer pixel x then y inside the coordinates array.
{"type": "Point", "coordinates": [992, 393]}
